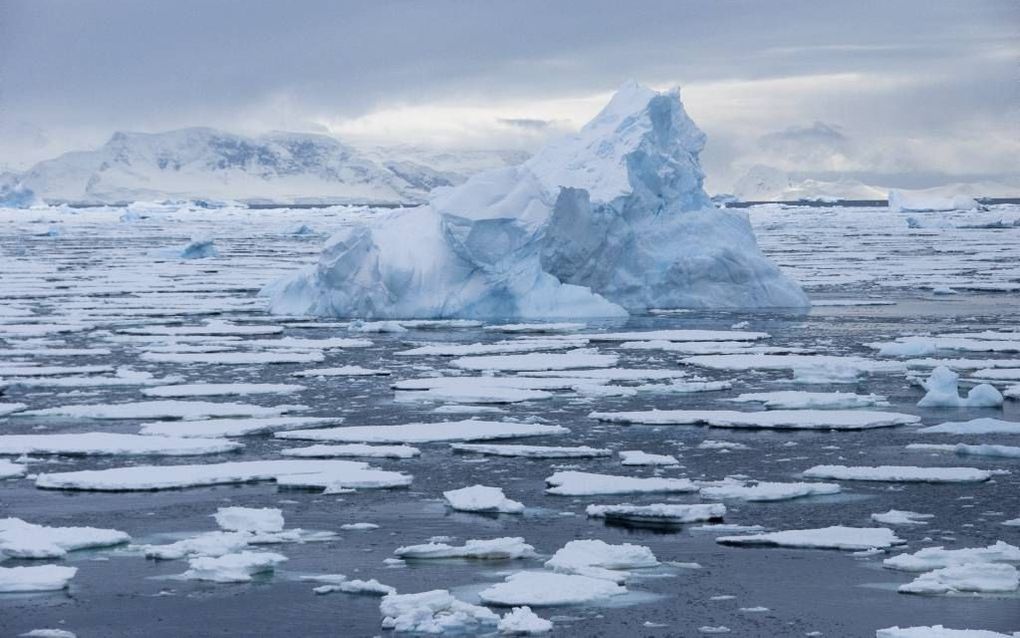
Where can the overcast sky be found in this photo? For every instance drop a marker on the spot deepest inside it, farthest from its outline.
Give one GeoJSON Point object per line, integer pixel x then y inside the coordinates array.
{"type": "Point", "coordinates": [901, 93]}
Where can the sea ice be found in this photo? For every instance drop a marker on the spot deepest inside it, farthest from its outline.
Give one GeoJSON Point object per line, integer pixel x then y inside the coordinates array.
{"type": "Point", "coordinates": [233, 427]}
{"type": "Point", "coordinates": [796, 399]}
{"type": "Point", "coordinates": [521, 621]}
{"type": "Point", "coordinates": [249, 519]}
{"type": "Point", "coordinates": [353, 449]}
{"type": "Point", "coordinates": [943, 392]}
{"type": "Point", "coordinates": [571, 483]}
{"type": "Point", "coordinates": [536, 361]}
{"type": "Point", "coordinates": [35, 578]}
{"type": "Point", "coordinates": [548, 589]}
{"type": "Point", "coordinates": [637, 457]}
{"type": "Point", "coordinates": [220, 389]}
{"type": "Point", "coordinates": [770, 419]}
{"type": "Point", "coordinates": [20, 539]}
{"type": "Point", "coordinates": [965, 577]}
{"type": "Point", "coordinates": [433, 612]}
{"type": "Point", "coordinates": [481, 498]}
{"type": "Point", "coordinates": [531, 451]}
{"type": "Point", "coordinates": [984, 425]}
{"type": "Point", "coordinates": [111, 444]}
{"type": "Point", "coordinates": [598, 559]}
{"type": "Point", "coordinates": [425, 432]}
{"type": "Point", "coordinates": [834, 537]}
{"type": "Point", "coordinates": [232, 568]}
{"type": "Point", "coordinates": [187, 410]}
{"type": "Point", "coordinates": [664, 513]}
{"type": "Point", "coordinates": [764, 491]}
{"type": "Point", "coordinates": [901, 517]}
{"type": "Point", "coordinates": [936, 631]}
{"type": "Point", "coordinates": [906, 473]}
{"type": "Point", "coordinates": [938, 557]}
{"type": "Point", "coordinates": [494, 549]}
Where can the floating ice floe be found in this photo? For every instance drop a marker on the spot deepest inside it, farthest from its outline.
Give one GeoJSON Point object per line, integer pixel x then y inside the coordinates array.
{"type": "Point", "coordinates": [294, 343]}
{"type": "Point", "coordinates": [354, 450]}
{"type": "Point", "coordinates": [11, 408]}
{"type": "Point", "coordinates": [372, 587]}
{"type": "Point", "coordinates": [239, 567]}
{"type": "Point", "coordinates": [187, 410]}
{"type": "Point", "coordinates": [481, 498]}
{"type": "Point", "coordinates": [30, 370]}
{"type": "Point", "coordinates": [927, 346]}
{"type": "Point", "coordinates": [330, 475]}
{"type": "Point", "coordinates": [111, 444]}
{"type": "Point", "coordinates": [834, 537]}
{"type": "Point", "coordinates": [963, 449]}
{"type": "Point", "coordinates": [807, 368]}
{"type": "Point", "coordinates": [943, 392]}
{"type": "Point", "coordinates": [571, 483]}
{"type": "Point", "coordinates": [210, 328]}
{"type": "Point", "coordinates": [936, 631]}
{"type": "Point", "coordinates": [342, 371]}
{"type": "Point", "coordinates": [661, 513]}
{"type": "Point", "coordinates": [20, 539]}
{"type": "Point", "coordinates": [535, 361]}
{"type": "Point", "coordinates": [249, 519]}
{"type": "Point", "coordinates": [211, 544]}
{"type": "Point", "coordinates": [530, 344]}
{"type": "Point", "coordinates": [899, 473]}
{"type": "Point", "coordinates": [712, 444]}
{"type": "Point", "coordinates": [931, 558]}
{"type": "Point", "coordinates": [599, 559]}
{"type": "Point", "coordinates": [521, 621]}
{"type": "Point", "coordinates": [233, 427]}
{"type": "Point", "coordinates": [980, 578]}
{"type": "Point", "coordinates": [606, 375]}
{"type": "Point", "coordinates": [609, 219]}
{"type": "Point", "coordinates": [531, 451]}
{"type": "Point", "coordinates": [35, 578]}
{"type": "Point", "coordinates": [9, 469]}
{"type": "Point", "coordinates": [234, 358]}
{"type": "Point", "coordinates": [796, 399]}
{"type": "Point", "coordinates": [220, 389]}
{"type": "Point", "coordinates": [425, 432]}
{"type": "Point", "coordinates": [433, 612]}
{"type": "Point", "coordinates": [637, 457]}
{"type": "Point", "coordinates": [770, 419]}
{"type": "Point", "coordinates": [123, 377]}
{"type": "Point", "coordinates": [984, 425]}
{"type": "Point", "coordinates": [494, 549]}
{"type": "Point", "coordinates": [468, 392]}
{"type": "Point", "coordinates": [901, 517]}
{"type": "Point", "coordinates": [548, 589]}
{"type": "Point", "coordinates": [765, 491]}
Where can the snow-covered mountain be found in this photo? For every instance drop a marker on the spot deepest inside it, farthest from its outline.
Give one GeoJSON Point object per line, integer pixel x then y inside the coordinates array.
{"type": "Point", "coordinates": [204, 163]}
{"type": "Point", "coordinates": [768, 184]}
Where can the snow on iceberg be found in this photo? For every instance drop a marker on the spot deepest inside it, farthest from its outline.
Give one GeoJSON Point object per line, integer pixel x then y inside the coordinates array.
{"type": "Point", "coordinates": [610, 220]}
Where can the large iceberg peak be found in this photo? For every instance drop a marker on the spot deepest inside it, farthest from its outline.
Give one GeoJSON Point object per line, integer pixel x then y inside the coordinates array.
{"type": "Point", "coordinates": [609, 220]}
{"type": "Point", "coordinates": [642, 142]}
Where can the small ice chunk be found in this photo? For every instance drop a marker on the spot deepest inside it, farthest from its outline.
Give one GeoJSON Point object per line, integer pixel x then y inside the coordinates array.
{"type": "Point", "coordinates": [936, 631]}
{"type": "Point", "coordinates": [531, 451]}
{"type": "Point", "coordinates": [943, 392]}
{"type": "Point", "coordinates": [965, 577]}
{"type": "Point", "coordinates": [432, 612]}
{"type": "Point", "coordinates": [901, 517]}
{"type": "Point", "coordinates": [494, 549]}
{"type": "Point", "coordinates": [637, 457]}
{"type": "Point", "coordinates": [521, 621]}
{"type": "Point", "coordinates": [540, 588]}
{"type": "Point", "coordinates": [20, 539]}
{"type": "Point", "coordinates": [353, 449]}
{"type": "Point", "coordinates": [665, 513]}
{"type": "Point", "coordinates": [598, 559]}
{"type": "Point", "coordinates": [36, 578]}
{"type": "Point", "coordinates": [249, 519]}
{"type": "Point", "coordinates": [937, 557]}
{"type": "Point", "coordinates": [232, 568]}
{"type": "Point", "coordinates": [572, 483]}
{"type": "Point", "coordinates": [767, 490]}
{"type": "Point", "coordinates": [481, 498]}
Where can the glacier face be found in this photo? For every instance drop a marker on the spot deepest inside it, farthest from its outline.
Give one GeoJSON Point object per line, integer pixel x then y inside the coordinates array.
{"type": "Point", "coordinates": [608, 221]}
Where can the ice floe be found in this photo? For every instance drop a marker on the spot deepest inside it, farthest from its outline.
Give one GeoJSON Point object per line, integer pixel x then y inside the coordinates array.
{"type": "Point", "coordinates": [964, 449]}
{"type": "Point", "coordinates": [425, 432]}
{"type": "Point", "coordinates": [984, 425]}
{"type": "Point", "coordinates": [234, 427]}
{"type": "Point", "coordinates": [897, 473]}
{"type": "Point", "coordinates": [931, 558]}
{"type": "Point", "coordinates": [661, 513]}
{"type": "Point", "coordinates": [493, 549]}
{"type": "Point", "coordinates": [764, 491]}
{"type": "Point", "coordinates": [943, 392]}
{"type": "Point", "coordinates": [291, 473]}
{"type": "Point", "coordinates": [936, 631]}
{"type": "Point", "coordinates": [20, 539]}
{"type": "Point", "coordinates": [806, 419]}
{"type": "Point", "coordinates": [111, 444]}
{"type": "Point", "coordinates": [9, 469]}
{"type": "Point", "coordinates": [354, 450]}
{"type": "Point", "coordinates": [599, 559]}
{"type": "Point", "coordinates": [535, 361]}
{"type": "Point", "coordinates": [35, 578]}
{"type": "Point", "coordinates": [170, 409]}
{"type": "Point", "coordinates": [531, 451]}
{"type": "Point", "coordinates": [834, 537]}
{"type": "Point", "coordinates": [572, 483]}
{"type": "Point", "coordinates": [637, 457]}
{"type": "Point", "coordinates": [901, 517]}
{"type": "Point", "coordinates": [980, 578]}
{"type": "Point", "coordinates": [433, 612]}
{"type": "Point", "coordinates": [482, 498]}
{"type": "Point", "coordinates": [342, 371]}
{"type": "Point", "coordinates": [220, 389]}
{"type": "Point", "coordinates": [796, 399]}
{"type": "Point", "coordinates": [521, 621]}
{"type": "Point", "coordinates": [549, 589]}
{"type": "Point", "coordinates": [239, 567]}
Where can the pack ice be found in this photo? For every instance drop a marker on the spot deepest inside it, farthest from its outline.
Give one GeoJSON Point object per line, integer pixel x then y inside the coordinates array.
{"type": "Point", "coordinates": [610, 220]}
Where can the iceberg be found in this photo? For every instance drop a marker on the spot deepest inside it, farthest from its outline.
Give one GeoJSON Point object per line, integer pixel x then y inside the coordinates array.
{"type": "Point", "coordinates": [602, 223]}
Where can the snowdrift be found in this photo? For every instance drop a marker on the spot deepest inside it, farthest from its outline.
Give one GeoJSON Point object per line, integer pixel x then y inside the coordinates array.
{"type": "Point", "coordinates": [608, 221]}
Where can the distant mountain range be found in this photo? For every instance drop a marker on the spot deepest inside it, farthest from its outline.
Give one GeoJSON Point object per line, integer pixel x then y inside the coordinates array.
{"type": "Point", "coordinates": [291, 168]}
